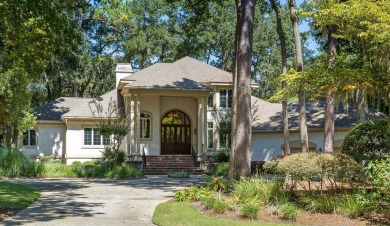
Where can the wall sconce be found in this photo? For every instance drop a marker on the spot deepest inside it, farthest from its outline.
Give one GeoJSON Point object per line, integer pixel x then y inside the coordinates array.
{"type": "Point", "coordinates": [195, 131]}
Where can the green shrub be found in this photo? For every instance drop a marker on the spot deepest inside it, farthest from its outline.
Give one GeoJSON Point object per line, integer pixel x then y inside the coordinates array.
{"type": "Point", "coordinates": [181, 174]}
{"type": "Point", "coordinates": [349, 204]}
{"type": "Point", "coordinates": [218, 184]}
{"type": "Point", "coordinates": [309, 166]}
{"type": "Point", "coordinates": [193, 193]}
{"type": "Point", "coordinates": [14, 163]}
{"type": "Point", "coordinates": [222, 169]}
{"type": "Point", "coordinates": [289, 212]}
{"type": "Point", "coordinates": [259, 187]}
{"type": "Point", "coordinates": [113, 158]}
{"type": "Point", "coordinates": [46, 158]}
{"type": "Point", "coordinates": [217, 205]}
{"type": "Point", "coordinates": [58, 169]}
{"type": "Point", "coordinates": [379, 174]}
{"type": "Point", "coordinates": [127, 171]}
{"type": "Point", "coordinates": [250, 210]}
{"type": "Point", "coordinates": [368, 140]}
{"type": "Point", "coordinates": [220, 157]}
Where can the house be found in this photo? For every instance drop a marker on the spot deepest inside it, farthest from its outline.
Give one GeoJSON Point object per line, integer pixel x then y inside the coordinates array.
{"type": "Point", "coordinates": [170, 107]}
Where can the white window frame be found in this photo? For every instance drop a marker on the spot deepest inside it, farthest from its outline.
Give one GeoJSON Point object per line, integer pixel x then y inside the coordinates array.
{"type": "Point", "coordinates": [227, 97]}
{"type": "Point", "coordinates": [142, 120]}
{"type": "Point", "coordinates": [93, 131]}
{"type": "Point", "coordinates": [29, 138]}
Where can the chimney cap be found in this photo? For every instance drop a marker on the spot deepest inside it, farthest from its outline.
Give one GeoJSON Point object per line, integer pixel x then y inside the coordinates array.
{"type": "Point", "coordinates": [123, 67]}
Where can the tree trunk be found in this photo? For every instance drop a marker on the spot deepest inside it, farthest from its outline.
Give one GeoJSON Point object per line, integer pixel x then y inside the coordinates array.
{"type": "Point", "coordinates": [361, 105]}
{"type": "Point", "coordinates": [301, 92]}
{"type": "Point", "coordinates": [242, 128]}
{"type": "Point", "coordinates": [329, 97]}
{"type": "Point", "coordinates": [283, 48]}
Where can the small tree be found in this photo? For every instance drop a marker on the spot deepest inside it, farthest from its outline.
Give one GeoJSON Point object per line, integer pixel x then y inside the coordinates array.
{"type": "Point", "coordinates": [113, 126]}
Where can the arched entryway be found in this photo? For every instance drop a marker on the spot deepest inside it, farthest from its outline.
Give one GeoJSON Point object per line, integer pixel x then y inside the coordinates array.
{"type": "Point", "coordinates": [175, 134]}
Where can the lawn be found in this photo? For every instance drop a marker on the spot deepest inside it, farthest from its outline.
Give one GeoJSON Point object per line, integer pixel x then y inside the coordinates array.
{"type": "Point", "coordinates": [183, 213]}
{"type": "Point", "coordinates": [16, 196]}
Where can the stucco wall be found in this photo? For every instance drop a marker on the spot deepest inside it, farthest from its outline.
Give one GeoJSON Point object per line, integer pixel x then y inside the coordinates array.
{"type": "Point", "coordinates": [265, 146]}
{"type": "Point", "coordinates": [75, 148]}
{"type": "Point", "coordinates": [151, 104]}
{"type": "Point", "coordinates": [50, 140]}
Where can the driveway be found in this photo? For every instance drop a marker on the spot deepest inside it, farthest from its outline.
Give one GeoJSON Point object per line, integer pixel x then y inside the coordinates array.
{"type": "Point", "coordinates": [97, 201]}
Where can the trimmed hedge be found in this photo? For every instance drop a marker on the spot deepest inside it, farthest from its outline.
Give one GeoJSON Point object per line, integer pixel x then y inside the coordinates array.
{"type": "Point", "coordinates": [368, 141]}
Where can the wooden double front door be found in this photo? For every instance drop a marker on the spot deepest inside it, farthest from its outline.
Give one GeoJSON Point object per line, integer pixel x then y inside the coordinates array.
{"type": "Point", "coordinates": [175, 134]}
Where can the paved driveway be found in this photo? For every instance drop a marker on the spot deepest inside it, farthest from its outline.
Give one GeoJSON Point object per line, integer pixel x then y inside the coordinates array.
{"type": "Point", "coordinates": [97, 201]}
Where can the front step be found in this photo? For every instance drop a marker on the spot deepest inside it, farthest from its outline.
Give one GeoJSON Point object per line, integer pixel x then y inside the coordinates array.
{"type": "Point", "coordinates": [163, 164]}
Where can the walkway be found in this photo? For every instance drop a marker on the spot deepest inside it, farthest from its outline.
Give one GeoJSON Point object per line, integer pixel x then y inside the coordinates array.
{"type": "Point", "coordinates": [97, 201]}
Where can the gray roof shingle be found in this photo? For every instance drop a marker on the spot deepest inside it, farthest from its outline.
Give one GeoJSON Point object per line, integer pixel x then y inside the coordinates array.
{"type": "Point", "coordinates": [55, 109]}
{"type": "Point", "coordinates": [269, 116]}
{"type": "Point", "coordinates": [186, 73]}
{"type": "Point", "coordinates": [85, 109]}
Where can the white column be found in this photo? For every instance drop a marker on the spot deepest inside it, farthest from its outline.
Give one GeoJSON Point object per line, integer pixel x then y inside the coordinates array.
{"type": "Point", "coordinates": [137, 122]}
{"type": "Point", "coordinates": [132, 125]}
{"type": "Point", "coordinates": [204, 124]}
{"type": "Point", "coordinates": [199, 129]}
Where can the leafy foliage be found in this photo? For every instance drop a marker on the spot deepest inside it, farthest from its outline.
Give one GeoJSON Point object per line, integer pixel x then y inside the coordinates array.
{"type": "Point", "coordinates": [250, 210]}
{"type": "Point", "coordinates": [14, 163]}
{"type": "Point", "coordinates": [323, 166]}
{"type": "Point", "coordinates": [289, 211]}
{"type": "Point", "coordinates": [220, 156]}
{"type": "Point", "coordinates": [368, 141]}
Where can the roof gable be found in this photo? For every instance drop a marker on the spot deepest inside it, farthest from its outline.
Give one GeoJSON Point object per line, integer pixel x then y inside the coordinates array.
{"type": "Point", "coordinates": [186, 73]}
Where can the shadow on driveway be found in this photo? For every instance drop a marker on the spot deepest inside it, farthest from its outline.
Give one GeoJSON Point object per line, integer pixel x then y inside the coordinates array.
{"type": "Point", "coordinates": [98, 201]}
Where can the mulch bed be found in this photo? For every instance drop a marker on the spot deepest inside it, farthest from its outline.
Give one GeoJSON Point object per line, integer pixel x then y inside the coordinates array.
{"type": "Point", "coordinates": [304, 218]}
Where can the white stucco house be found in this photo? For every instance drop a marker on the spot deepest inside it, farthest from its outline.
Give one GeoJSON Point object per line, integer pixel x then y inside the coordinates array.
{"type": "Point", "coordinates": [170, 107]}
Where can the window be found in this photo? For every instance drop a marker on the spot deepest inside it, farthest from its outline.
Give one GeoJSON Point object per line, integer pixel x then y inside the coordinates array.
{"type": "Point", "coordinates": [210, 138]}
{"type": "Point", "coordinates": [145, 125]}
{"type": "Point", "coordinates": [210, 100]}
{"type": "Point", "coordinates": [225, 98]}
{"type": "Point", "coordinates": [92, 137]}
{"type": "Point", "coordinates": [30, 138]}
{"type": "Point", "coordinates": [224, 131]}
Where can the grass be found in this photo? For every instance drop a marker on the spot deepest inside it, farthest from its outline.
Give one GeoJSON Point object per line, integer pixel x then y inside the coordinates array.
{"type": "Point", "coordinates": [185, 214]}
{"type": "Point", "coordinates": [14, 163]}
{"type": "Point", "coordinates": [16, 196]}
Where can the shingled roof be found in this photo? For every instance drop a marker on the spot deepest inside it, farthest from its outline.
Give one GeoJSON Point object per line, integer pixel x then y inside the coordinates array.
{"type": "Point", "coordinates": [53, 110]}
{"type": "Point", "coordinates": [85, 110]}
{"type": "Point", "coordinates": [269, 116]}
{"type": "Point", "coordinates": [186, 73]}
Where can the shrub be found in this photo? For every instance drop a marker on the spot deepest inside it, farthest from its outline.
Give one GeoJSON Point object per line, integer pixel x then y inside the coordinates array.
{"type": "Point", "coordinates": [14, 163]}
{"type": "Point", "coordinates": [289, 212]}
{"type": "Point", "coordinates": [250, 210]}
{"type": "Point", "coordinates": [222, 169]}
{"type": "Point", "coordinates": [352, 205]}
{"type": "Point", "coordinates": [193, 193]}
{"type": "Point", "coordinates": [368, 140]}
{"type": "Point", "coordinates": [309, 166]}
{"type": "Point", "coordinates": [127, 171]}
{"type": "Point", "coordinates": [379, 174]}
{"type": "Point", "coordinates": [266, 190]}
{"type": "Point", "coordinates": [181, 174]}
{"type": "Point", "coordinates": [220, 157]}
{"type": "Point", "coordinates": [112, 158]}
{"type": "Point", "coordinates": [218, 184]}
{"type": "Point", "coordinates": [217, 205]}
